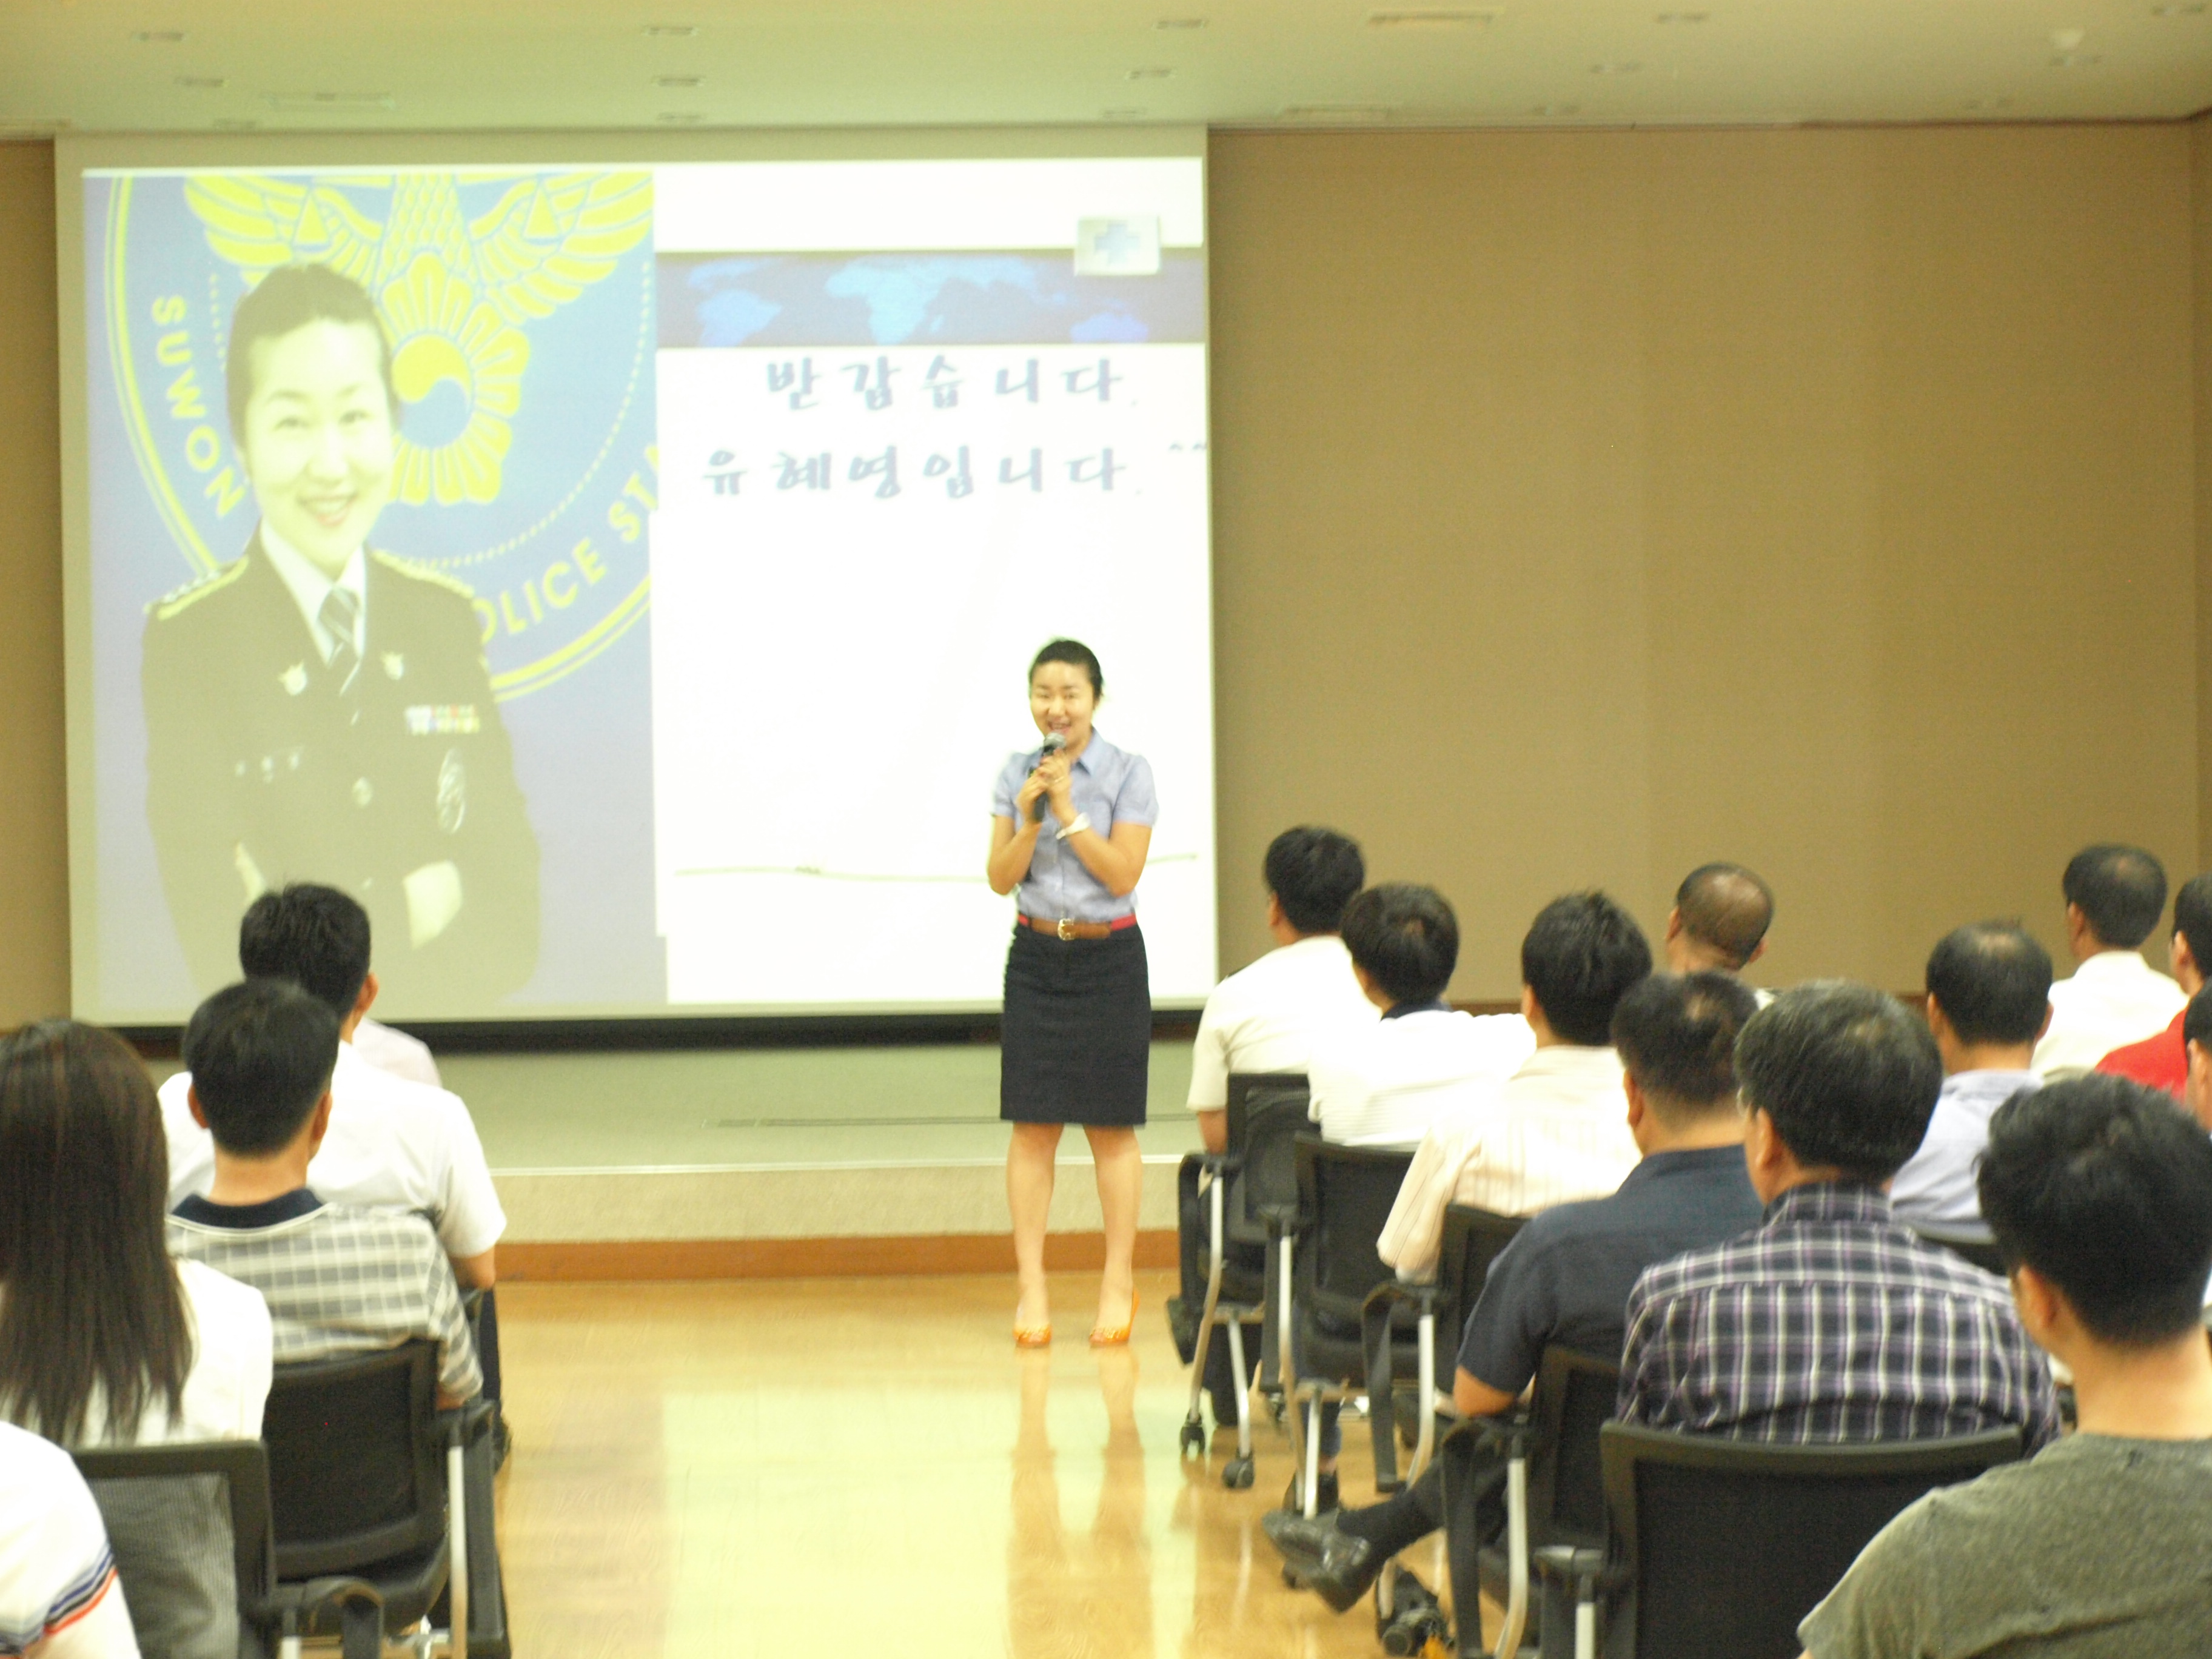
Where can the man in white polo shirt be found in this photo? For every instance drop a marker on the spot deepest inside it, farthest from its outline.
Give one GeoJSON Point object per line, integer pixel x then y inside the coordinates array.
{"type": "Point", "coordinates": [2115, 895]}
{"type": "Point", "coordinates": [1268, 1018]}
{"type": "Point", "coordinates": [392, 1144]}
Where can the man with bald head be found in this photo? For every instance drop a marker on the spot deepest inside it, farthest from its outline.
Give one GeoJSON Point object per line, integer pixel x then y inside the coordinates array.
{"type": "Point", "coordinates": [1719, 922]}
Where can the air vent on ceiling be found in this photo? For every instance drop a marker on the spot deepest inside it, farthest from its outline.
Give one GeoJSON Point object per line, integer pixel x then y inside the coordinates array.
{"type": "Point", "coordinates": [1444, 17]}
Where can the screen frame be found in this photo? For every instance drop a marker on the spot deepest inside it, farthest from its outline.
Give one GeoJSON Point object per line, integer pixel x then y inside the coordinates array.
{"type": "Point", "coordinates": [675, 1026]}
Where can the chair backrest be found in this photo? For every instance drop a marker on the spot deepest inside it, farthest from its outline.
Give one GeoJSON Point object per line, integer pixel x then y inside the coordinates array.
{"type": "Point", "coordinates": [1344, 1196]}
{"type": "Point", "coordinates": [1732, 1542]}
{"type": "Point", "coordinates": [189, 1524]}
{"type": "Point", "coordinates": [355, 1471]}
{"type": "Point", "coordinates": [1473, 1239]}
{"type": "Point", "coordinates": [1574, 1400]}
{"type": "Point", "coordinates": [1267, 1113]}
{"type": "Point", "coordinates": [1981, 1252]}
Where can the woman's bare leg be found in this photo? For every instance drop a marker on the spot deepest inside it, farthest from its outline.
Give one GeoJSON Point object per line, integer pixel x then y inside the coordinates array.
{"type": "Point", "coordinates": [1029, 1195]}
{"type": "Point", "coordinates": [1121, 1187]}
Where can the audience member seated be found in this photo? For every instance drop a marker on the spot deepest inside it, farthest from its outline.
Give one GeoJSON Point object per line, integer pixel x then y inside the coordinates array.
{"type": "Point", "coordinates": [104, 1340]}
{"type": "Point", "coordinates": [1719, 922]}
{"type": "Point", "coordinates": [2114, 897]}
{"type": "Point", "coordinates": [1989, 999]}
{"type": "Point", "coordinates": [2159, 1060]}
{"type": "Point", "coordinates": [1565, 1276]}
{"type": "Point", "coordinates": [392, 1143]}
{"type": "Point", "coordinates": [1267, 1017]}
{"type": "Point", "coordinates": [2099, 1194]}
{"type": "Point", "coordinates": [395, 1052]}
{"type": "Point", "coordinates": [1832, 1323]}
{"type": "Point", "coordinates": [1384, 1084]}
{"type": "Point", "coordinates": [59, 1598]}
{"type": "Point", "coordinates": [1552, 1132]}
{"type": "Point", "coordinates": [2196, 1047]}
{"type": "Point", "coordinates": [337, 1279]}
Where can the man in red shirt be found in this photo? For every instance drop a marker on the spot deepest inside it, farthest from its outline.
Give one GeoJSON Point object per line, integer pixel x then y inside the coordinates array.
{"type": "Point", "coordinates": [2160, 1060]}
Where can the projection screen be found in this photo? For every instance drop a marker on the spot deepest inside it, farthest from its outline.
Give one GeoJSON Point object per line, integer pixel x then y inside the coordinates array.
{"type": "Point", "coordinates": [639, 630]}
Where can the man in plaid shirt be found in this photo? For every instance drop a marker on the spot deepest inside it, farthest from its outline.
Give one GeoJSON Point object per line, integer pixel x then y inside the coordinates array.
{"type": "Point", "coordinates": [1832, 1322]}
{"type": "Point", "coordinates": [337, 1279]}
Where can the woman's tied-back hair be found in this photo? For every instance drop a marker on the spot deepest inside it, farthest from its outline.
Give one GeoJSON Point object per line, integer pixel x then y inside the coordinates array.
{"type": "Point", "coordinates": [91, 1311]}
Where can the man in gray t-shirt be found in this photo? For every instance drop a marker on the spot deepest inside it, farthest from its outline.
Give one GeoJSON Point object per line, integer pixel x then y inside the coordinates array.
{"type": "Point", "coordinates": [2099, 1194]}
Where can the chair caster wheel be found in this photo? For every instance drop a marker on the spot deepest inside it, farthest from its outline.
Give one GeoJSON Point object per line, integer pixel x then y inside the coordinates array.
{"type": "Point", "coordinates": [1294, 1578]}
{"type": "Point", "coordinates": [1194, 1438]}
{"type": "Point", "coordinates": [1236, 1473]}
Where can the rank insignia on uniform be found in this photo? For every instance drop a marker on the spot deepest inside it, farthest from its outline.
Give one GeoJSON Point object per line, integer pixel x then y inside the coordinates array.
{"type": "Point", "coordinates": [395, 664]}
{"type": "Point", "coordinates": [294, 678]}
{"type": "Point", "coordinates": [443, 719]}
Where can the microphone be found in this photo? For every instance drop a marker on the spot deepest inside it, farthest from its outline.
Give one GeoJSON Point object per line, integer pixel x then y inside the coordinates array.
{"type": "Point", "coordinates": [1054, 743]}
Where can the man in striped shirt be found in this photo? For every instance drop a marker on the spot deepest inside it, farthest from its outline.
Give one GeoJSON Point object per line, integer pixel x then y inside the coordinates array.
{"type": "Point", "coordinates": [1832, 1323]}
{"type": "Point", "coordinates": [337, 1279]}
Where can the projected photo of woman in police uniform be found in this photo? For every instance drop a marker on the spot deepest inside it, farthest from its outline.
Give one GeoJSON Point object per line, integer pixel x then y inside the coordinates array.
{"type": "Point", "coordinates": [318, 709]}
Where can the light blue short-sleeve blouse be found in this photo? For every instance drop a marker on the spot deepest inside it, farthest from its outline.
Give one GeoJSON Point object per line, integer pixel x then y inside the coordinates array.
{"type": "Point", "coordinates": [1110, 786]}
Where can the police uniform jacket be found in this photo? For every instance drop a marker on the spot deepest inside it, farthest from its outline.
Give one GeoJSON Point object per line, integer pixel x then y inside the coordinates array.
{"type": "Point", "coordinates": [261, 770]}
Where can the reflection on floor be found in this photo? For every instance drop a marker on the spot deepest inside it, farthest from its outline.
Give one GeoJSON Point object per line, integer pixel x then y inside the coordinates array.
{"type": "Point", "coordinates": [712, 1470]}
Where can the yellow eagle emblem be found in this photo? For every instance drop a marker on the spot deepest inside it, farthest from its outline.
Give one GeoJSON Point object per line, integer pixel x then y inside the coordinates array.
{"type": "Point", "coordinates": [454, 291]}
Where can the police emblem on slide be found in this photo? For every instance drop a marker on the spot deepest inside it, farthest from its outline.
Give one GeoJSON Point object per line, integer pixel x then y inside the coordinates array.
{"type": "Point", "coordinates": [519, 304]}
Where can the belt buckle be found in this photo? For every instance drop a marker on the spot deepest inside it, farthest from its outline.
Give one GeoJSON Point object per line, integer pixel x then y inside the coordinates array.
{"type": "Point", "coordinates": [1065, 929]}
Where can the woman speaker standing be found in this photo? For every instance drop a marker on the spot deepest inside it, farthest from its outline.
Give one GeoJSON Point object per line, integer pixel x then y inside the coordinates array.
{"type": "Point", "coordinates": [1071, 822]}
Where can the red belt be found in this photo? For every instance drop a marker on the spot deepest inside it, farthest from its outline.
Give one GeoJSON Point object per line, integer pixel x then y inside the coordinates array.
{"type": "Point", "coordinates": [1066, 929]}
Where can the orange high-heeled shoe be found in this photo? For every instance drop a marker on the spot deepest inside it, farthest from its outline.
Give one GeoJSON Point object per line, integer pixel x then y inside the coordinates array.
{"type": "Point", "coordinates": [1115, 1336]}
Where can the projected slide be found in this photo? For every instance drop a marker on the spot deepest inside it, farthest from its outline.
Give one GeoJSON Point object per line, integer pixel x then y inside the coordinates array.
{"type": "Point", "coordinates": [623, 580]}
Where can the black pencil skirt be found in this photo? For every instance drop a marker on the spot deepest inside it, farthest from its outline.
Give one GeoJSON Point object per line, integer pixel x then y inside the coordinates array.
{"type": "Point", "coordinates": [1076, 1038]}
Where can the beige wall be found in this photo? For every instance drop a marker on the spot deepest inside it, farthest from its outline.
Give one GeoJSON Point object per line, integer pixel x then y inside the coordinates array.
{"type": "Point", "coordinates": [34, 817]}
{"type": "Point", "coordinates": [1592, 505]}
{"type": "Point", "coordinates": [2200, 183]}
{"type": "Point", "coordinates": [1589, 505]}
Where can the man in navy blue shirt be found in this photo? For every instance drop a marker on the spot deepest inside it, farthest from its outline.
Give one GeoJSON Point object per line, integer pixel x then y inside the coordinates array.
{"type": "Point", "coordinates": [1567, 1276]}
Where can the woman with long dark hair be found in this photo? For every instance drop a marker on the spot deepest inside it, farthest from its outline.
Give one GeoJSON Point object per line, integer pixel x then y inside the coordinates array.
{"type": "Point", "coordinates": [1072, 824]}
{"type": "Point", "coordinates": [105, 1340]}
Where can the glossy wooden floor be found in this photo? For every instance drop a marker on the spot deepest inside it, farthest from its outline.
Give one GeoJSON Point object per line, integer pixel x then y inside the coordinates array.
{"type": "Point", "coordinates": [707, 1471]}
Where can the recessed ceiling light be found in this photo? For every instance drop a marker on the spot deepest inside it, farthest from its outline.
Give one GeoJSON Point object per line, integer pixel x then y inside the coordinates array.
{"type": "Point", "coordinates": [2195, 8]}
{"type": "Point", "coordinates": [675, 82]}
{"type": "Point", "coordinates": [1986, 104]}
{"type": "Point", "coordinates": [1341, 114]}
{"type": "Point", "coordinates": [1685, 16]}
{"type": "Point", "coordinates": [678, 118]}
{"type": "Point", "coordinates": [2066, 39]}
{"type": "Point", "coordinates": [1440, 18]}
{"type": "Point", "coordinates": [203, 83]}
{"type": "Point", "coordinates": [1126, 113]}
{"type": "Point", "coordinates": [1614, 68]}
{"type": "Point", "coordinates": [236, 126]}
{"type": "Point", "coordinates": [160, 36]}
{"type": "Point", "coordinates": [1180, 23]}
{"type": "Point", "coordinates": [1557, 109]}
{"type": "Point", "coordinates": [331, 100]}
{"type": "Point", "coordinates": [670, 31]}
{"type": "Point", "coordinates": [1155, 74]}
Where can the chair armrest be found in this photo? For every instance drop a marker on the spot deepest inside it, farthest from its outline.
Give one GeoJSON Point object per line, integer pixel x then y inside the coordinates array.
{"type": "Point", "coordinates": [291, 1609]}
{"type": "Point", "coordinates": [464, 1425]}
{"type": "Point", "coordinates": [1510, 1436]}
{"type": "Point", "coordinates": [1375, 1342]}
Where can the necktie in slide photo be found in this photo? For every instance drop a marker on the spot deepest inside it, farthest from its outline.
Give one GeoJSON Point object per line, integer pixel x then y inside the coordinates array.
{"type": "Point", "coordinates": [340, 616]}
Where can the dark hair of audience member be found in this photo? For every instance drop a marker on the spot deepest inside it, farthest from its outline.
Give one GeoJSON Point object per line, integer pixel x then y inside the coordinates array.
{"type": "Point", "coordinates": [1676, 1034]}
{"type": "Point", "coordinates": [1848, 1075]}
{"type": "Point", "coordinates": [2192, 917]}
{"type": "Point", "coordinates": [1726, 907]}
{"type": "Point", "coordinates": [260, 1054]}
{"type": "Point", "coordinates": [2120, 889]}
{"type": "Point", "coordinates": [287, 299]}
{"type": "Point", "coordinates": [1313, 874]}
{"type": "Point", "coordinates": [1993, 982]}
{"type": "Point", "coordinates": [92, 1309]}
{"type": "Point", "coordinates": [1404, 938]}
{"type": "Point", "coordinates": [2104, 1187]}
{"type": "Point", "coordinates": [2196, 1020]}
{"type": "Point", "coordinates": [316, 937]}
{"type": "Point", "coordinates": [1075, 654]}
{"type": "Point", "coordinates": [1579, 957]}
